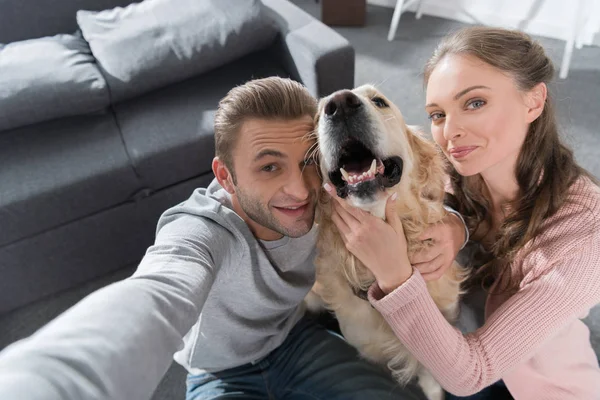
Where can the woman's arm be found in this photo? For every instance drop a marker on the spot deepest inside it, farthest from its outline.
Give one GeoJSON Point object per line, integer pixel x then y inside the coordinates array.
{"type": "Point", "coordinates": [447, 238]}
{"type": "Point", "coordinates": [377, 251]}
{"type": "Point", "coordinates": [564, 283]}
{"type": "Point", "coordinates": [466, 364]}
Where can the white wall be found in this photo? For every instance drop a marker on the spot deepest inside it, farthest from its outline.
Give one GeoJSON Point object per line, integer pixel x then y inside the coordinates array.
{"type": "Point", "coordinates": [549, 18]}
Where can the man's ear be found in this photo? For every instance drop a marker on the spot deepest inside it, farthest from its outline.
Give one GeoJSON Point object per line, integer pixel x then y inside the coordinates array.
{"type": "Point", "coordinates": [536, 101]}
{"type": "Point", "coordinates": [223, 175]}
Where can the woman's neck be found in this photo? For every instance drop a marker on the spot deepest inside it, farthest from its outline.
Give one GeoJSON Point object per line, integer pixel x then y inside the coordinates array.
{"type": "Point", "coordinates": [502, 186]}
{"type": "Point", "coordinates": [500, 193]}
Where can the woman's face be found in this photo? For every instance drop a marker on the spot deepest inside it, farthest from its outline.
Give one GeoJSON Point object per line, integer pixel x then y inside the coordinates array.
{"type": "Point", "coordinates": [478, 115]}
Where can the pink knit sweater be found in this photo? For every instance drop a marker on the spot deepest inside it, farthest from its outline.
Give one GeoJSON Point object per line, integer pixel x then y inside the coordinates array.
{"type": "Point", "coordinates": [534, 340]}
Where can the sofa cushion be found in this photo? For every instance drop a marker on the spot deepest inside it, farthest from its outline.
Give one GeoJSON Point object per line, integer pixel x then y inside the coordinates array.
{"type": "Point", "coordinates": [76, 252]}
{"type": "Point", "coordinates": [29, 19]}
{"type": "Point", "coordinates": [47, 78]}
{"type": "Point", "coordinates": [148, 45]}
{"type": "Point", "coordinates": [169, 133]}
{"type": "Point", "coordinates": [58, 171]}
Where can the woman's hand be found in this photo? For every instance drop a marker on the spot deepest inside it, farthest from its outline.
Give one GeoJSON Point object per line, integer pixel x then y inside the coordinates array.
{"type": "Point", "coordinates": [447, 236]}
{"type": "Point", "coordinates": [379, 245]}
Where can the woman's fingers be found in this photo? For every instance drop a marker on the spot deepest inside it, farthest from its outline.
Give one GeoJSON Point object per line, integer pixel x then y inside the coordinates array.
{"type": "Point", "coordinates": [434, 276]}
{"type": "Point", "coordinates": [425, 255]}
{"type": "Point", "coordinates": [342, 226]}
{"type": "Point", "coordinates": [348, 218]}
{"type": "Point", "coordinates": [357, 213]}
{"type": "Point", "coordinates": [429, 266]}
{"type": "Point", "coordinates": [432, 232]}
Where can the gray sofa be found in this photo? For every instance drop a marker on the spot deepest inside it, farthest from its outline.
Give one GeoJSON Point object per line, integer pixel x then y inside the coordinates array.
{"type": "Point", "coordinates": [91, 152]}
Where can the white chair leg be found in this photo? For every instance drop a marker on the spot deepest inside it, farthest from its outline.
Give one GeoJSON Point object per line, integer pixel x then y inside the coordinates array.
{"type": "Point", "coordinates": [566, 61]}
{"type": "Point", "coordinates": [579, 41]}
{"type": "Point", "coordinates": [574, 33]}
{"type": "Point", "coordinates": [395, 20]}
{"type": "Point", "coordinates": [420, 9]}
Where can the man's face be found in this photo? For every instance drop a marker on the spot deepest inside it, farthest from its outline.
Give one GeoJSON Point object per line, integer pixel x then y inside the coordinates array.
{"type": "Point", "coordinates": [276, 179]}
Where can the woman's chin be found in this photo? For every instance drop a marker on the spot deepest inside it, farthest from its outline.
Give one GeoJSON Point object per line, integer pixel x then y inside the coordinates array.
{"type": "Point", "coordinates": [466, 170]}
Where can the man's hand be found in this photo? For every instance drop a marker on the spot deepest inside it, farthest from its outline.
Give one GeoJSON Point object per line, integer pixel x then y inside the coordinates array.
{"type": "Point", "coordinates": [448, 237]}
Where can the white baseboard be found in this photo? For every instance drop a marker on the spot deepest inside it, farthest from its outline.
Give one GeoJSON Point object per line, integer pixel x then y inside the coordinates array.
{"type": "Point", "coordinates": [384, 3]}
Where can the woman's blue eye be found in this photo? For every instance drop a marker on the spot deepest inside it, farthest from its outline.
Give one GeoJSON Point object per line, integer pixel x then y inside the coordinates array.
{"type": "Point", "coordinates": [435, 116]}
{"type": "Point", "coordinates": [475, 104]}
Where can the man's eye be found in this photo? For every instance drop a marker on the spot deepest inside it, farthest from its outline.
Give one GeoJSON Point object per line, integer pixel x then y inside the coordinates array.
{"type": "Point", "coordinates": [436, 116]}
{"type": "Point", "coordinates": [269, 168]}
{"type": "Point", "coordinates": [379, 102]}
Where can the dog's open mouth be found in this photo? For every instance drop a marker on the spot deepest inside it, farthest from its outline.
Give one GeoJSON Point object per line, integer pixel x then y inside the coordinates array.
{"type": "Point", "coordinates": [361, 172]}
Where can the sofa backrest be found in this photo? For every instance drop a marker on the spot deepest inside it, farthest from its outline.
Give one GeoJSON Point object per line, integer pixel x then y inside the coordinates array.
{"type": "Point", "coordinates": [29, 19]}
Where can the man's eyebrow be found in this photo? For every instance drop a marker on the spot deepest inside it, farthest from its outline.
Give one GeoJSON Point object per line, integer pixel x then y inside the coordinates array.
{"type": "Point", "coordinates": [460, 94]}
{"type": "Point", "coordinates": [269, 152]}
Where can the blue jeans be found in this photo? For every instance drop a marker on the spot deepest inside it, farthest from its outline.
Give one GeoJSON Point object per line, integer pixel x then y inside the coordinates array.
{"type": "Point", "coordinates": [312, 363]}
{"type": "Point", "coordinates": [496, 391]}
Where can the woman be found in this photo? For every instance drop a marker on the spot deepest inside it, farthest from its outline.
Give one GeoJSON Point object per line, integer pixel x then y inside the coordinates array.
{"type": "Point", "coordinates": [526, 201]}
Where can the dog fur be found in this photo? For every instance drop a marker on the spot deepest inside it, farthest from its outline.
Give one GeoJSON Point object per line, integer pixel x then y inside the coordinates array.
{"type": "Point", "coordinates": [341, 276]}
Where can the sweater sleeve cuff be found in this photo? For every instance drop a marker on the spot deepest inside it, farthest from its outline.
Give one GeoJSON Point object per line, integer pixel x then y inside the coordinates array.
{"type": "Point", "coordinates": [399, 297]}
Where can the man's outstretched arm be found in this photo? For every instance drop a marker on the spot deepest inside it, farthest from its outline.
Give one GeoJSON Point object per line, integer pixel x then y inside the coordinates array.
{"type": "Point", "coordinates": [118, 342]}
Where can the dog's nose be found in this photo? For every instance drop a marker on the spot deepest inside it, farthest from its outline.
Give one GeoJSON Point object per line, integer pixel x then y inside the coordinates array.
{"type": "Point", "coordinates": [342, 102]}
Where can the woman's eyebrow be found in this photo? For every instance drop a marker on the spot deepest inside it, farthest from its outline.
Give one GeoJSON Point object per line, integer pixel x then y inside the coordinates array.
{"type": "Point", "coordinates": [460, 94]}
{"type": "Point", "coordinates": [467, 90]}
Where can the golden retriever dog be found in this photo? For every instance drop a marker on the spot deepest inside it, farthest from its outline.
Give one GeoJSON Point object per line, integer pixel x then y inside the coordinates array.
{"type": "Point", "coordinates": [367, 152]}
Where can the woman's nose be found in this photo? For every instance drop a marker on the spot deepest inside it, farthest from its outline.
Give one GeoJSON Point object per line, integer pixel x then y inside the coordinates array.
{"type": "Point", "coordinates": [452, 129]}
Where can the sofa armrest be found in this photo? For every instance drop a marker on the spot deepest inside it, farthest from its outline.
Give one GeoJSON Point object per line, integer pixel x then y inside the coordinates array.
{"type": "Point", "coordinates": [311, 52]}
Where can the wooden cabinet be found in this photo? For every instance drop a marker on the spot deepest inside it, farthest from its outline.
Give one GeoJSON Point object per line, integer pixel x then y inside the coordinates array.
{"type": "Point", "coordinates": [343, 12]}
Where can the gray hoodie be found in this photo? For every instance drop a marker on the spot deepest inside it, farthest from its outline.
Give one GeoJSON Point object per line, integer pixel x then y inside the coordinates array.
{"type": "Point", "coordinates": [207, 292]}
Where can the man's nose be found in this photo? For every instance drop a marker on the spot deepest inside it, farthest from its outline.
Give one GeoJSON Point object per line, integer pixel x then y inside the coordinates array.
{"type": "Point", "coordinates": [297, 186]}
{"type": "Point", "coordinates": [342, 102]}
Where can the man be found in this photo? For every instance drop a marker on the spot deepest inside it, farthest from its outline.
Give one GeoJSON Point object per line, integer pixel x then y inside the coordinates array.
{"type": "Point", "coordinates": [221, 288]}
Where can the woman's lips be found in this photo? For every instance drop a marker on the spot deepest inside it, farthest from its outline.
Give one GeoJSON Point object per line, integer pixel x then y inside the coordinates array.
{"type": "Point", "coordinates": [461, 152]}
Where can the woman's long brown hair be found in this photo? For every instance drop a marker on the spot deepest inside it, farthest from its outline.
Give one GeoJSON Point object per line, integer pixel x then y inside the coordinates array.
{"type": "Point", "coordinates": [546, 167]}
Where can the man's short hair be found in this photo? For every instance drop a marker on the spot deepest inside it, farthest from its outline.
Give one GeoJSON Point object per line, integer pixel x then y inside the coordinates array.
{"type": "Point", "coordinates": [269, 98]}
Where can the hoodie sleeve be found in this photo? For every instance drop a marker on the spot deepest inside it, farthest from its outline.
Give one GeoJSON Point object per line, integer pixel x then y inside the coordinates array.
{"type": "Point", "coordinates": [118, 342]}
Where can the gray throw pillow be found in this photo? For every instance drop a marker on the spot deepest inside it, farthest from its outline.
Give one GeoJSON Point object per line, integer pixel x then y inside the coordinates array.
{"type": "Point", "coordinates": [150, 44]}
{"type": "Point", "coordinates": [48, 78]}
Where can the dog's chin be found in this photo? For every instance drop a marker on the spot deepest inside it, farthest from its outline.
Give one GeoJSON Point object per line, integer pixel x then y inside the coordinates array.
{"type": "Point", "coordinates": [370, 194]}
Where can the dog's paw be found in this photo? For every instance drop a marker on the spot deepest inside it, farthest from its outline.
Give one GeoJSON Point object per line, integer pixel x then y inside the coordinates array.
{"type": "Point", "coordinates": [432, 389]}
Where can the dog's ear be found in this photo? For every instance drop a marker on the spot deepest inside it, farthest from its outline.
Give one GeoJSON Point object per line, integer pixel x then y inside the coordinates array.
{"type": "Point", "coordinates": [429, 164]}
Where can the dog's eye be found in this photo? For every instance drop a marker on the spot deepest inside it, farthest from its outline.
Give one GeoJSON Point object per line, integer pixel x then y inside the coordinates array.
{"type": "Point", "coordinates": [379, 102]}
